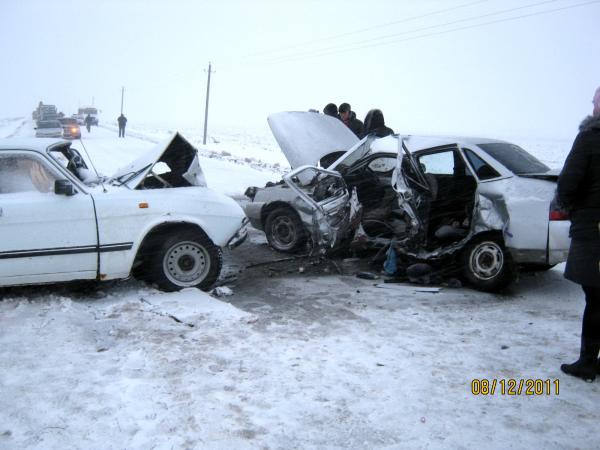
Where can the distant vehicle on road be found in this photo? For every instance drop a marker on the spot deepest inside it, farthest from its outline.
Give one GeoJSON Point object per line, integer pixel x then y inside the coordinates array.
{"type": "Point", "coordinates": [83, 112]}
{"type": "Point", "coordinates": [71, 129]}
{"type": "Point", "coordinates": [48, 128]}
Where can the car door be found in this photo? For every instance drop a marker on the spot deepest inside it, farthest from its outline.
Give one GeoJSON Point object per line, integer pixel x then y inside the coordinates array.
{"type": "Point", "coordinates": [46, 237]}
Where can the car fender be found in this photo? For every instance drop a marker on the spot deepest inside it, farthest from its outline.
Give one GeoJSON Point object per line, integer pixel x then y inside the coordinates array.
{"type": "Point", "coordinates": [119, 264]}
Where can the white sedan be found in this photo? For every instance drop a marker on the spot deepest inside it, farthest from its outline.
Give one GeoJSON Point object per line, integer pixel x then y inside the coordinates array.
{"type": "Point", "coordinates": [48, 129]}
{"type": "Point", "coordinates": [155, 218]}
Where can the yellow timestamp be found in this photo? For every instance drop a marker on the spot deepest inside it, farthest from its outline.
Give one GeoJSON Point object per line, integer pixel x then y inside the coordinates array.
{"type": "Point", "coordinates": [511, 386]}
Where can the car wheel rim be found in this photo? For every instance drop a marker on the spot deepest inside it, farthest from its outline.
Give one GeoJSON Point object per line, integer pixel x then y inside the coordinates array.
{"type": "Point", "coordinates": [487, 260]}
{"type": "Point", "coordinates": [186, 263]}
{"type": "Point", "coordinates": [283, 232]}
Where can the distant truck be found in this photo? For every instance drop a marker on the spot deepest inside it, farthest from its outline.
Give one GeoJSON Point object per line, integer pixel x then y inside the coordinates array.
{"type": "Point", "coordinates": [83, 112]}
{"type": "Point", "coordinates": [45, 112]}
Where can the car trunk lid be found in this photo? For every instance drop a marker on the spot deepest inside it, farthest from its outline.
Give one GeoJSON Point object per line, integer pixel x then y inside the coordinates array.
{"type": "Point", "coordinates": [551, 175]}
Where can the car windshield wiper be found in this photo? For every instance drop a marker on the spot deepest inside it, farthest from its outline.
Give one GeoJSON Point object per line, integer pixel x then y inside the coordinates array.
{"type": "Point", "coordinates": [130, 175]}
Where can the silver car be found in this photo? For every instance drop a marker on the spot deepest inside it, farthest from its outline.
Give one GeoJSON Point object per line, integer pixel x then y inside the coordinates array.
{"type": "Point", "coordinates": [49, 129]}
{"type": "Point", "coordinates": [482, 203]}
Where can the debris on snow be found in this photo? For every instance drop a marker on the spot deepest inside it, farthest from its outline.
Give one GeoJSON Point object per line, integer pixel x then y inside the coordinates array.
{"type": "Point", "coordinates": [221, 291]}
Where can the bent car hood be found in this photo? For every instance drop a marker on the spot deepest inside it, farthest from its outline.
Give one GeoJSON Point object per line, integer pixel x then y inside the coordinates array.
{"type": "Point", "coordinates": [176, 152]}
{"type": "Point", "coordinates": [305, 137]}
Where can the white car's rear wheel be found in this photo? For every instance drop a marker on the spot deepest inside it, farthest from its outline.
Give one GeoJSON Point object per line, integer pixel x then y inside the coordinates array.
{"type": "Point", "coordinates": [487, 265]}
{"type": "Point", "coordinates": [187, 258]}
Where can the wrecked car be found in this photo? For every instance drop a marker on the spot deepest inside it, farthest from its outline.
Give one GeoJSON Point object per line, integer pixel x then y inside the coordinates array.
{"type": "Point", "coordinates": [155, 218]}
{"type": "Point", "coordinates": [482, 204]}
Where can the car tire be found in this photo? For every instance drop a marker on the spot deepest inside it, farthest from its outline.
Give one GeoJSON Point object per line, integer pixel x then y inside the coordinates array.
{"type": "Point", "coordinates": [487, 265]}
{"type": "Point", "coordinates": [285, 231]}
{"type": "Point", "coordinates": [186, 258]}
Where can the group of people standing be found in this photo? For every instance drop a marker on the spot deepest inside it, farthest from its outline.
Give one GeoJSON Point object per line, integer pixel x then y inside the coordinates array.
{"type": "Point", "coordinates": [374, 122]}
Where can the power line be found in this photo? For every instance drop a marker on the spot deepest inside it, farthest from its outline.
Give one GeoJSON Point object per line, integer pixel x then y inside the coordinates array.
{"type": "Point", "coordinates": [467, 19]}
{"type": "Point", "coordinates": [294, 58]}
{"type": "Point", "coordinates": [364, 30]}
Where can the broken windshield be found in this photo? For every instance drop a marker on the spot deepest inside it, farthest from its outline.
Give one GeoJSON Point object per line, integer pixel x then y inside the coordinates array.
{"type": "Point", "coordinates": [353, 156]}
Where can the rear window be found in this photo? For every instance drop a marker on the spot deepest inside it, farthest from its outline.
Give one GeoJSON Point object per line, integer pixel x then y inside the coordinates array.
{"type": "Point", "coordinates": [49, 125]}
{"type": "Point", "coordinates": [514, 158]}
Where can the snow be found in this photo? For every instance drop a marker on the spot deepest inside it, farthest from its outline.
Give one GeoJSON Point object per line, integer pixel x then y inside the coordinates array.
{"type": "Point", "coordinates": [9, 126]}
{"type": "Point", "coordinates": [305, 360]}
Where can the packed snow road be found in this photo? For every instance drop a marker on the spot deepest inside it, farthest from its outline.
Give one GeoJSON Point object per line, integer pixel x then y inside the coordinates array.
{"type": "Point", "coordinates": [300, 356]}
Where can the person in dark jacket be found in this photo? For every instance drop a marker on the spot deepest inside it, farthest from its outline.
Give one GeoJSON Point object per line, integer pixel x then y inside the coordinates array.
{"type": "Point", "coordinates": [375, 124]}
{"type": "Point", "coordinates": [578, 191]}
{"type": "Point", "coordinates": [331, 109]}
{"type": "Point", "coordinates": [88, 122]}
{"type": "Point", "coordinates": [349, 118]}
{"type": "Point", "coordinates": [122, 122]}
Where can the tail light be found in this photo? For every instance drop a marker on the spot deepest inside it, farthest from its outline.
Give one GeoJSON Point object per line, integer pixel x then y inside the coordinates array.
{"type": "Point", "coordinates": [558, 214]}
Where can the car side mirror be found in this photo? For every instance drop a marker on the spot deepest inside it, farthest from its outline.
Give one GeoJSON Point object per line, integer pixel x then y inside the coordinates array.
{"type": "Point", "coordinates": [64, 187]}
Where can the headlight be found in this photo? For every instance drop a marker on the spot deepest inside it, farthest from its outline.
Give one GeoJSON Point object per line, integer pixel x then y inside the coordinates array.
{"type": "Point", "coordinates": [73, 130]}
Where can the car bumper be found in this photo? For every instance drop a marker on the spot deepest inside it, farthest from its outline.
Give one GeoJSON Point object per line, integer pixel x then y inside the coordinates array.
{"type": "Point", "coordinates": [240, 236]}
{"type": "Point", "coordinates": [558, 241]}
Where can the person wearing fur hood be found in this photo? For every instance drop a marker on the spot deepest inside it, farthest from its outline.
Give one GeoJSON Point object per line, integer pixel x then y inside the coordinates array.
{"type": "Point", "coordinates": [578, 191]}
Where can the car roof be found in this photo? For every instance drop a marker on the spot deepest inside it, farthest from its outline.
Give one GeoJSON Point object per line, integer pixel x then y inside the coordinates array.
{"type": "Point", "coordinates": [39, 145]}
{"type": "Point", "coordinates": [416, 143]}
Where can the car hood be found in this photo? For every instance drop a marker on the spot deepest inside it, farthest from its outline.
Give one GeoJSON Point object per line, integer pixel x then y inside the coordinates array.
{"type": "Point", "coordinates": [305, 137]}
{"type": "Point", "coordinates": [176, 152]}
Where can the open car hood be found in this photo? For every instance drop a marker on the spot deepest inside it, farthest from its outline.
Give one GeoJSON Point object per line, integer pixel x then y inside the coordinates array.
{"type": "Point", "coordinates": [176, 159]}
{"type": "Point", "coordinates": [305, 137]}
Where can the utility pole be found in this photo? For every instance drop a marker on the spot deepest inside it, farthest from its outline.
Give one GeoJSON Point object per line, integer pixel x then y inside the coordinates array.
{"type": "Point", "coordinates": [122, 95]}
{"type": "Point", "coordinates": [206, 107]}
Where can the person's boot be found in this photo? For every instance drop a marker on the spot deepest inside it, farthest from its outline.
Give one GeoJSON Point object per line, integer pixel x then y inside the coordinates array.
{"type": "Point", "coordinates": [586, 367]}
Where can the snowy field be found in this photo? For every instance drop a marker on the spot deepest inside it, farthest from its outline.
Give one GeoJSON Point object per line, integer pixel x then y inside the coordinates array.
{"type": "Point", "coordinates": [290, 360]}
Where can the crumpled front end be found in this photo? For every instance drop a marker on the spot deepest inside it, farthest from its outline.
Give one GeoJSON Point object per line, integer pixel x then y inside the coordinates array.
{"type": "Point", "coordinates": [334, 225]}
{"type": "Point", "coordinates": [328, 212]}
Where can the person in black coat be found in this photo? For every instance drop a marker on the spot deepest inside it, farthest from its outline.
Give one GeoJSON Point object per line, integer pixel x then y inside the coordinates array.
{"type": "Point", "coordinates": [331, 109]}
{"type": "Point", "coordinates": [88, 122]}
{"type": "Point", "coordinates": [578, 192]}
{"type": "Point", "coordinates": [375, 124]}
{"type": "Point", "coordinates": [349, 118]}
{"type": "Point", "coordinates": [122, 120]}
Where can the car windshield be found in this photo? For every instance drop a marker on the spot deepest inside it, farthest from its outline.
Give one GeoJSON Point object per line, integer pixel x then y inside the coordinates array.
{"type": "Point", "coordinates": [49, 124]}
{"type": "Point", "coordinates": [349, 159]}
{"type": "Point", "coordinates": [68, 121]}
{"type": "Point", "coordinates": [514, 158]}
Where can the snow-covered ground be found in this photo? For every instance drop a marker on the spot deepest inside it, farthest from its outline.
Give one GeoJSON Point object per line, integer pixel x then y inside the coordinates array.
{"type": "Point", "coordinates": [9, 127]}
{"type": "Point", "coordinates": [290, 360]}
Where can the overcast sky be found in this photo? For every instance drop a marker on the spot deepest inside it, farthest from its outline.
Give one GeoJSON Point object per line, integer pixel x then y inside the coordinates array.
{"type": "Point", "coordinates": [433, 66]}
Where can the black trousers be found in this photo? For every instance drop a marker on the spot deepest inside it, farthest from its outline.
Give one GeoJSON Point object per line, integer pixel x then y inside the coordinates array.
{"type": "Point", "coordinates": [121, 131]}
{"type": "Point", "coordinates": [590, 328]}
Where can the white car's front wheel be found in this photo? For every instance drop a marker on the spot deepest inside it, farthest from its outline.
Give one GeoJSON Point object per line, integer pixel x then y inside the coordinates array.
{"type": "Point", "coordinates": [187, 258]}
{"type": "Point", "coordinates": [487, 264]}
